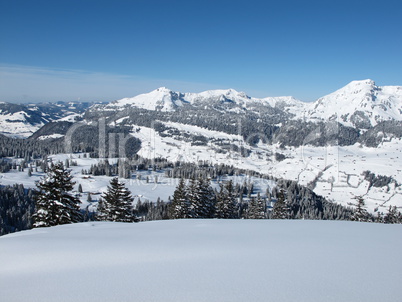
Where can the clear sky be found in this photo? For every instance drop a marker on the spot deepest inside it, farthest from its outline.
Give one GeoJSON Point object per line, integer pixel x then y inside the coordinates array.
{"type": "Point", "coordinates": [105, 50]}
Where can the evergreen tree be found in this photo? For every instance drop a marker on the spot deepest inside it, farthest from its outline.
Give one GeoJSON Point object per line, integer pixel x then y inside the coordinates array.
{"type": "Point", "coordinates": [116, 203]}
{"type": "Point", "coordinates": [54, 203]}
{"type": "Point", "coordinates": [360, 213]}
{"type": "Point", "coordinates": [256, 208]}
{"type": "Point", "coordinates": [180, 205]}
{"type": "Point", "coordinates": [202, 198]}
{"type": "Point", "coordinates": [226, 202]}
{"type": "Point", "coordinates": [281, 208]}
{"type": "Point", "coordinates": [102, 211]}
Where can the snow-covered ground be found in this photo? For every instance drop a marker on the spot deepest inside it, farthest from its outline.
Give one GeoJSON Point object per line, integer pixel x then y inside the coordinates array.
{"type": "Point", "coordinates": [157, 185]}
{"type": "Point", "coordinates": [337, 170]}
{"type": "Point", "coordinates": [204, 260]}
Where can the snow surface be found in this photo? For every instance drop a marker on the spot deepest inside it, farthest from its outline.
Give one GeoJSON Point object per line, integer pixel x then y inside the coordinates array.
{"type": "Point", "coordinates": [204, 260]}
{"type": "Point", "coordinates": [51, 136]}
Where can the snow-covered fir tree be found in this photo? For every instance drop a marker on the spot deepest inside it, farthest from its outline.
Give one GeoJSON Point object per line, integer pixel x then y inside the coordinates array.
{"type": "Point", "coordinates": [256, 208]}
{"type": "Point", "coordinates": [226, 206]}
{"type": "Point", "coordinates": [202, 198]}
{"type": "Point", "coordinates": [54, 202]}
{"type": "Point", "coordinates": [116, 203]}
{"type": "Point", "coordinates": [360, 213]}
{"type": "Point", "coordinates": [281, 208]}
{"type": "Point", "coordinates": [180, 205]}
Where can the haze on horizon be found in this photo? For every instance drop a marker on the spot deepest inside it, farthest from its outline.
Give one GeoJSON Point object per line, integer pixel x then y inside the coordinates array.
{"type": "Point", "coordinates": [105, 50]}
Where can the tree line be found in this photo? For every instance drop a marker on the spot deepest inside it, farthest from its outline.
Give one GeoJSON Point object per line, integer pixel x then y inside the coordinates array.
{"type": "Point", "coordinates": [53, 203]}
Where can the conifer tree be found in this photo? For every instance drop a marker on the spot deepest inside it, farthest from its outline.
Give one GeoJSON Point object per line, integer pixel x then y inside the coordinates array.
{"type": "Point", "coordinates": [256, 208]}
{"type": "Point", "coordinates": [226, 202]}
{"type": "Point", "coordinates": [281, 208]}
{"type": "Point", "coordinates": [202, 198]}
{"type": "Point", "coordinates": [116, 203]}
{"type": "Point", "coordinates": [180, 205]}
{"type": "Point", "coordinates": [54, 203]}
{"type": "Point", "coordinates": [360, 213]}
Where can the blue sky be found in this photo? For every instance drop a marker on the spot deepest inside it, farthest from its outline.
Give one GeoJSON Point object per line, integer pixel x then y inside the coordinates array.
{"type": "Point", "coordinates": [105, 50]}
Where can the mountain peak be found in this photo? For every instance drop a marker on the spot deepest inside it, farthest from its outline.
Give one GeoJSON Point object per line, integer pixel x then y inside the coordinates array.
{"type": "Point", "coordinates": [163, 89]}
{"type": "Point", "coordinates": [367, 82]}
{"type": "Point", "coordinates": [354, 90]}
{"type": "Point", "coordinates": [359, 104]}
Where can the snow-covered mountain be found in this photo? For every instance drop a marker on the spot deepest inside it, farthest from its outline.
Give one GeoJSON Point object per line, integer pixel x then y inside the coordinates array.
{"type": "Point", "coordinates": [23, 120]}
{"type": "Point", "coordinates": [346, 144]}
{"type": "Point", "coordinates": [359, 104]}
{"type": "Point", "coordinates": [161, 99]}
{"type": "Point", "coordinates": [326, 145]}
{"type": "Point", "coordinates": [164, 99]}
{"type": "Point", "coordinates": [19, 120]}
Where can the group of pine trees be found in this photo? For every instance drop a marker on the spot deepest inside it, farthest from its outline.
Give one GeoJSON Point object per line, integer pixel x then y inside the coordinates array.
{"type": "Point", "coordinates": [361, 214]}
{"type": "Point", "coordinates": [198, 200]}
{"type": "Point", "coordinates": [55, 204]}
{"type": "Point", "coordinates": [16, 208]}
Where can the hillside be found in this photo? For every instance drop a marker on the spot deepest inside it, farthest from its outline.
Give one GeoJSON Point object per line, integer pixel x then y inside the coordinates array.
{"type": "Point", "coordinates": [203, 260]}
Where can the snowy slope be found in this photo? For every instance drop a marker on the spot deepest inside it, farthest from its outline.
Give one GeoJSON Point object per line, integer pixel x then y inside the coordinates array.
{"type": "Point", "coordinates": [359, 104]}
{"type": "Point", "coordinates": [203, 260]}
{"type": "Point", "coordinates": [17, 124]}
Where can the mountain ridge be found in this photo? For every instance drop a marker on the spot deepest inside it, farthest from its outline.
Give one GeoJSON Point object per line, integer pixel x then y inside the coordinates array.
{"type": "Point", "coordinates": [359, 104]}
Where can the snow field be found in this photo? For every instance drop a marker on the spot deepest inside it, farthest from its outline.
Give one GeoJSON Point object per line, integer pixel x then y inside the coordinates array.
{"type": "Point", "coordinates": [203, 260]}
